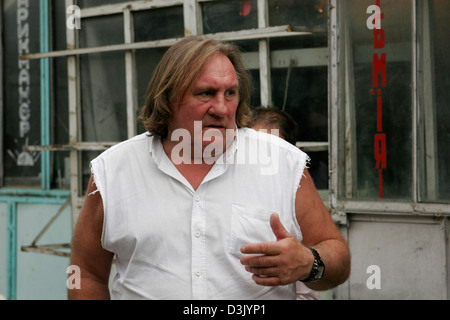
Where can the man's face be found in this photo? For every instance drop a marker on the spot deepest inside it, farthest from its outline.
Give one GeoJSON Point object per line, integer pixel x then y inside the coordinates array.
{"type": "Point", "coordinates": [212, 103]}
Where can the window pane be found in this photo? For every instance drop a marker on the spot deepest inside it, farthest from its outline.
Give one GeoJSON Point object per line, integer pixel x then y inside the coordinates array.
{"type": "Point", "coordinates": [158, 24]}
{"type": "Point", "coordinates": [311, 13]}
{"type": "Point", "coordinates": [302, 92]}
{"type": "Point", "coordinates": [60, 111]}
{"type": "Point", "coordinates": [103, 105]}
{"type": "Point", "coordinates": [21, 93]}
{"type": "Point", "coordinates": [101, 31]}
{"type": "Point", "coordinates": [299, 73]}
{"type": "Point", "coordinates": [434, 102]}
{"type": "Point", "coordinates": [249, 50]}
{"type": "Point", "coordinates": [231, 15]}
{"type": "Point", "coordinates": [146, 60]}
{"type": "Point", "coordinates": [87, 157]}
{"type": "Point", "coordinates": [376, 116]}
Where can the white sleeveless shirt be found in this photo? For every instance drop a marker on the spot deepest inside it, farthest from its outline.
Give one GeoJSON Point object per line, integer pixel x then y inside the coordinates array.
{"type": "Point", "coordinates": [174, 242]}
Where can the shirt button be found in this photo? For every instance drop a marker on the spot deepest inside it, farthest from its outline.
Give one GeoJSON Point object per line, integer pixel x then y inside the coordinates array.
{"type": "Point", "coordinates": [197, 198]}
{"type": "Point", "coordinates": [197, 234]}
{"type": "Point", "coordinates": [197, 273]}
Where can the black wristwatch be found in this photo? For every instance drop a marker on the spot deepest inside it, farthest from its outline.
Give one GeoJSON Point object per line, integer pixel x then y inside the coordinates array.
{"type": "Point", "coordinates": [317, 269]}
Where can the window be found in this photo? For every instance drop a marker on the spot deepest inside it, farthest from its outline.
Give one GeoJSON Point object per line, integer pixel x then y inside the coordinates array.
{"type": "Point", "coordinates": [365, 178]}
{"type": "Point", "coordinates": [391, 110]}
{"type": "Point", "coordinates": [22, 94]}
{"type": "Point", "coordinates": [21, 89]}
{"type": "Point", "coordinates": [434, 111]}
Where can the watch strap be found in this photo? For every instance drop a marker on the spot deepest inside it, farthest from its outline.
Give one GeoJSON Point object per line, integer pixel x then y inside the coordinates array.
{"type": "Point", "coordinates": [317, 269]}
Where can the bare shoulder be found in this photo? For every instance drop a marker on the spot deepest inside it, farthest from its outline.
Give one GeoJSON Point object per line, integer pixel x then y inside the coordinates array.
{"type": "Point", "coordinates": [87, 250]}
{"type": "Point", "coordinates": [91, 215]}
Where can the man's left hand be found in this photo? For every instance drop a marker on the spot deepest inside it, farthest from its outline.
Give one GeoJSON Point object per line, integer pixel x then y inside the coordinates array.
{"type": "Point", "coordinates": [279, 262]}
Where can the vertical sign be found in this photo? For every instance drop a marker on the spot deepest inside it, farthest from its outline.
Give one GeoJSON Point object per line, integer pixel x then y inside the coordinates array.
{"type": "Point", "coordinates": [378, 71]}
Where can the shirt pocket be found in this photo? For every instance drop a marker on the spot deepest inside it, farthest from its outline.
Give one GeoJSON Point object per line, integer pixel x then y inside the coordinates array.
{"type": "Point", "coordinates": [249, 225]}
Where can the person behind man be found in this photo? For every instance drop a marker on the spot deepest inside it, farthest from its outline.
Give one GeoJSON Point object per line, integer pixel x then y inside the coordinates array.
{"type": "Point", "coordinates": [268, 118]}
{"type": "Point", "coordinates": [282, 124]}
{"type": "Point", "coordinates": [183, 209]}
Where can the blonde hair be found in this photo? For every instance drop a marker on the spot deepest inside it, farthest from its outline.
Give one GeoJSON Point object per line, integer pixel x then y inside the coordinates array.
{"type": "Point", "coordinates": [178, 71]}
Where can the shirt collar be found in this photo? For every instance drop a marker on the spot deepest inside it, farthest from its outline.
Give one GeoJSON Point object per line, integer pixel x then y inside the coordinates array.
{"type": "Point", "coordinates": [164, 164]}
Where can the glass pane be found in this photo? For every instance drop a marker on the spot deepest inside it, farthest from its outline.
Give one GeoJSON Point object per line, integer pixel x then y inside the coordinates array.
{"type": "Point", "coordinates": [299, 73]}
{"type": "Point", "coordinates": [157, 24]}
{"type": "Point", "coordinates": [103, 105]}
{"type": "Point", "coordinates": [60, 111]}
{"type": "Point", "coordinates": [147, 60]}
{"type": "Point", "coordinates": [302, 92]}
{"type": "Point", "coordinates": [376, 111]}
{"type": "Point", "coordinates": [59, 25]}
{"type": "Point", "coordinates": [101, 31]}
{"type": "Point", "coordinates": [256, 85]}
{"type": "Point", "coordinates": [21, 89]}
{"type": "Point", "coordinates": [311, 13]}
{"type": "Point", "coordinates": [230, 15]}
{"type": "Point", "coordinates": [87, 157]}
{"type": "Point", "coordinates": [249, 51]}
{"type": "Point", "coordinates": [60, 176]}
{"type": "Point", "coordinates": [435, 112]}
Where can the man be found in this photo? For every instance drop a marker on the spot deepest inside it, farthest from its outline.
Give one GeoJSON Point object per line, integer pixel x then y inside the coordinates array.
{"type": "Point", "coordinates": [186, 212]}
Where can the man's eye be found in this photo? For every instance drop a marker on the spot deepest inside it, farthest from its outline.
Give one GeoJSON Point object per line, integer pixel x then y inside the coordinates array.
{"type": "Point", "coordinates": [230, 93]}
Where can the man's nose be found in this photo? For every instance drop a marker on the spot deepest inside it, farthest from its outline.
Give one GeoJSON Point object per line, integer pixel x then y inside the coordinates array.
{"type": "Point", "coordinates": [218, 105]}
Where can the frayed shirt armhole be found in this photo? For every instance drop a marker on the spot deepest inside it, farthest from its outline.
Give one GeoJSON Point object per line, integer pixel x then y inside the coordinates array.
{"type": "Point", "coordinates": [93, 181]}
{"type": "Point", "coordinates": [306, 166]}
{"type": "Point", "coordinates": [302, 165]}
{"type": "Point", "coordinates": [97, 181]}
{"type": "Point", "coordinates": [93, 192]}
{"type": "Point", "coordinates": [96, 190]}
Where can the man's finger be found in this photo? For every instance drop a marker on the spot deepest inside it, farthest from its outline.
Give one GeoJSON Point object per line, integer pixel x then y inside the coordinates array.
{"type": "Point", "coordinates": [266, 281]}
{"type": "Point", "coordinates": [269, 248]}
{"type": "Point", "coordinates": [259, 261]}
{"type": "Point", "coordinates": [277, 227]}
{"type": "Point", "coordinates": [265, 272]}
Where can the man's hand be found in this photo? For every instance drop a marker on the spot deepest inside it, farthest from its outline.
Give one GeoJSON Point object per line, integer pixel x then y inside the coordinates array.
{"type": "Point", "coordinates": [278, 262]}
